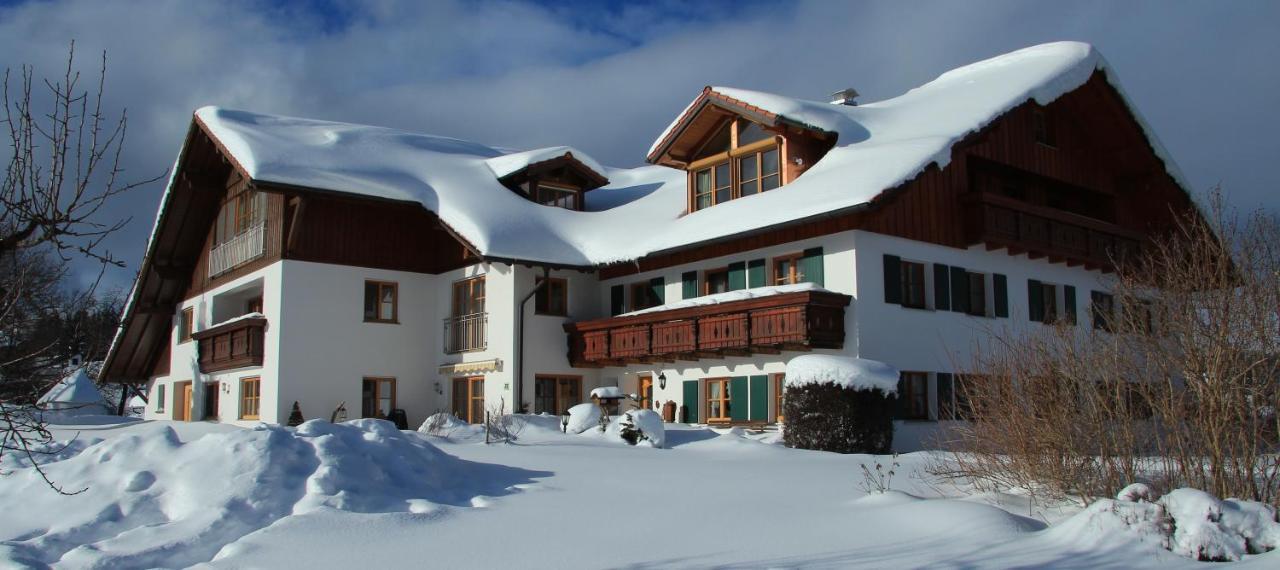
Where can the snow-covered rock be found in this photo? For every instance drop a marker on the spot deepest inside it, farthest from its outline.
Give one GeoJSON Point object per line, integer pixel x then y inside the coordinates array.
{"type": "Point", "coordinates": [583, 417]}
{"type": "Point", "coordinates": [845, 371]}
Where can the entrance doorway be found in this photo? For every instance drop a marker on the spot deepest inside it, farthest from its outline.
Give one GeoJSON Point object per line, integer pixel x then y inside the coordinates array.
{"type": "Point", "coordinates": [211, 400]}
{"type": "Point", "coordinates": [468, 399]}
{"type": "Point", "coordinates": [182, 401]}
{"type": "Point", "coordinates": [646, 392]}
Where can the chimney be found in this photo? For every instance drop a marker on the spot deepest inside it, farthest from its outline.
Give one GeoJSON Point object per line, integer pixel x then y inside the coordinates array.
{"type": "Point", "coordinates": [845, 97]}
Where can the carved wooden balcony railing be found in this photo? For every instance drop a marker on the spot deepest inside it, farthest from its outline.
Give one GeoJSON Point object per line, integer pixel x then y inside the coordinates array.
{"type": "Point", "coordinates": [800, 321]}
{"type": "Point", "coordinates": [236, 344]}
{"type": "Point", "coordinates": [1040, 231]}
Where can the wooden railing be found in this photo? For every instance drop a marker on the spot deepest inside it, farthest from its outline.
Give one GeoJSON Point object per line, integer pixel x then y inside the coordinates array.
{"type": "Point", "coordinates": [236, 344]}
{"type": "Point", "coordinates": [790, 321]}
{"type": "Point", "coordinates": [466, 333]}
{"type": "Point", "coordinates": [244, 247]}
{"type": "Point", "coordinates": [1040, 231]}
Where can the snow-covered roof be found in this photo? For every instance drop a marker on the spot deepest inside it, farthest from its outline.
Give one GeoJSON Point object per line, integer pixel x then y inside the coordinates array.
{"type": "Point", "coordinates": [508, 164]}
{"type": "Point", "coordinates": [718, 298]}
{"type": "Point", "coordinates": [846, 371]}
{"type": "Point", "coordinates": [642, 211]}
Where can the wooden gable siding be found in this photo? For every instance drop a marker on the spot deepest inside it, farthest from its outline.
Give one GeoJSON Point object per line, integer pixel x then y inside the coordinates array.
{"type": "Point", "coordinates": [363, 233]}
{"type": "Point", "coordinates": [1099, 146]}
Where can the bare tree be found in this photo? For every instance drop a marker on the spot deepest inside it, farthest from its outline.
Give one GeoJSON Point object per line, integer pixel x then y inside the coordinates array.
{"type": "Point", "coordinates": [1173, 377]}
{"type": "Point", "coordinates": [64, 167]}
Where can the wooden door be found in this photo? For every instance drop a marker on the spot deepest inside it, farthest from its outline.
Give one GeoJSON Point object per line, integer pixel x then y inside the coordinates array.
{"type": "Point", "coordinates": [460, 398]}
{"type": "Point", "coordinates": [468, 399]}
{"type": "Point", "coordinates": [211, 401]}
{"type": "Point", "coordinates": [182, 402]}
{"type": "Point", "coordinates": [646, 392]}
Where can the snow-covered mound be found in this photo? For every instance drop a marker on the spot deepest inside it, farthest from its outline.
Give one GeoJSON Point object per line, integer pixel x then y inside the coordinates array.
{"type": "Point", "coordinates": [648, 422]}
{"type": "Point", "coordinates": [152, 500]}
{"type": "Point", "coordinates": [1189, 522]}
{"type": "Point", "coordinates": [845, 371]}
{"type": "Point", "coordinates": [607, 392]}
{"type": "Point", "coordinates": [74, 395]}
{"type": "Point", "coordinates": [583, 417]}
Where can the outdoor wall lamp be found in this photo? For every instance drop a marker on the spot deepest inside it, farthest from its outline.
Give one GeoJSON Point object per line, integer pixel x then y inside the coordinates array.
{"type": "Point", "coordinates": [662, 380]}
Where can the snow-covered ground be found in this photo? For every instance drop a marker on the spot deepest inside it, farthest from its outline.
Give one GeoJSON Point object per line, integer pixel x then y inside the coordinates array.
{"type": "Point", "coordinates": [361, 495]}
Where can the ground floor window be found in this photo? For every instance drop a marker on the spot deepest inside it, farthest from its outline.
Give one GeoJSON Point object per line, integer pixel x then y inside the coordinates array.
{"type": "Point", "coordinates": [468, 399]}
{"type": "Point", "coordinates": [250, 395]}
{"type": "Point", "coordinates": [556, 394]}
{"type": "Point", "coordinates": [160, 398]}
{"type": "Point", "coordinates": [718, 399]}
{"type": "Point", "coordinates": [913, 396]}
{"type": "Point", "coordinates": [779, 389]}
{"type": "Point", "coordinates": [378, 397]}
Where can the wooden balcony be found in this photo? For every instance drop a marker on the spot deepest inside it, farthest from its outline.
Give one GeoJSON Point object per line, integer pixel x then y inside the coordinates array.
{"type": "Point", "coordinates": [236, 344]}
{"type": "Point", "coordinates": [1039, 231]}
{"type": "Point", "coordinates": [797, 321]}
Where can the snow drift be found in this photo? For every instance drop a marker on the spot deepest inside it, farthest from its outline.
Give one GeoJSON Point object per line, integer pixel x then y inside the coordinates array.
{"type": "Point", "coordinates": [149, 499]}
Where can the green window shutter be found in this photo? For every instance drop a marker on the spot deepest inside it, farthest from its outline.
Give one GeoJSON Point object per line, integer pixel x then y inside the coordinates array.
{"type": "Point", "coordinates": [738, 402]}
{"type": "Point", "coordinates": [615, 300]}
{"type": "Point", "coordinates": [1069, 298]}
{"type": "Point", "coordinates": [755, 273]}
{"type": "Point", "coordinates": [893, 279]}
{"type": "Point", "coordinates": [760, 398]}
{"type": "Point", "coordinates": [959, 290]}
{"type": "Point", "coordinates": [737, 276]}
{"type": "Point", "coordinates": [1035, 300]}
{"type": "Point", "coordinates": [658, 289]}
{"type": "Point", "coordinates": [946, 407]}
{"type": "Point", "coordinates": [689, 284]}
{"type": "Point", "coordinates": [941, 287]}
{"type": "Point", "coordinates": [811, 266]}
{"type": "Point", "coordinates": [1001, 284]}
{"type": "Point", "coordinates": [691, 402]}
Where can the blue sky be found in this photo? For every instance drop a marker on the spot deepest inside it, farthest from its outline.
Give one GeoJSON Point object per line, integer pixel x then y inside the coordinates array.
{"type": "Point", "coordinates": [607, 77]}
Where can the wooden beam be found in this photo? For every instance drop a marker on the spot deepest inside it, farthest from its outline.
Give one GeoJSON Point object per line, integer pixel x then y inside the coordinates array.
{"type": "Point", "coordinates": [765, 349]}
{"type": "Point", "coordinates": [292, 240]}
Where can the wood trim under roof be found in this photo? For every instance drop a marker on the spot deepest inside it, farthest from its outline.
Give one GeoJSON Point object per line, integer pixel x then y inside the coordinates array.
{"type": "Point", "coordinates": [710, 101]}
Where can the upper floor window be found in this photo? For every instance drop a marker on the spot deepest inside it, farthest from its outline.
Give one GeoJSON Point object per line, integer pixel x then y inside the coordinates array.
{"type": "Point", "coordinates": [1042, 128]}
{"type": "Point", "coordinates": [558, 196]}
{"type": "Point", "coordinates": [240, 213]}
{"type": "Point", "coordinates": [643, 296]}
{"type": "Point", "coordinates": [468, 297]}
{"type": "Point", "coordinates": [552, 298]}
{"type": "Point", "coordinates": [380, 300]}
{"type": "Point", "coordinates": [977, 293]}
{"type": "Point", "coordinates": [787, 269]}
{"type": "Point", "coordinates": [913, 286]}
{"type": "Point", "coordinates": [715, 281]}
{"type": "Point", "coordinates": [186, 324]}
{"type": "Point", "coordinates": [741, 159]}
{"type": "Point", "coordinates": [1104, 308]}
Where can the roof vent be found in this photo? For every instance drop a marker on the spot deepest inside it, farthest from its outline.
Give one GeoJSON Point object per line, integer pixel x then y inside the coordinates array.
{"type": "Point", "coordinates": [845, 97]}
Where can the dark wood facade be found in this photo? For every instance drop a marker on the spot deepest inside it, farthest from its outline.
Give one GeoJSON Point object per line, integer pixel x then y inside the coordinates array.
{"type": "Point", "coordinates": [232, 345]}
{"type": "Point", "coordinates": [792, 321]}
{"type": "Point", "coordinates": [1098, 146]}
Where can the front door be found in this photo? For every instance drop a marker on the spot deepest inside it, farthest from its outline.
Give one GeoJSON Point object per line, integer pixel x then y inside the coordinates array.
{"type": "Point", "coordinates": [646, 392]}
{"type": "Point", "coordinates": [211, 401]}
{"type": "Point", "coordinates": [468, 399]}
{"type": "Point", "coordinates": [182, 402]}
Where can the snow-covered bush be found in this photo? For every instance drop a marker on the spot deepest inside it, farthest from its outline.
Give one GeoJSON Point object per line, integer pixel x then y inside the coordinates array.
{"type": "Point", "coordinates": [636, 426]}
{"type": "Point", "coordinates": [839, 404]}
{"type": "Point", "coordinates": [441, 424]}
{"type": "Point", "coordinates": [583, 417]}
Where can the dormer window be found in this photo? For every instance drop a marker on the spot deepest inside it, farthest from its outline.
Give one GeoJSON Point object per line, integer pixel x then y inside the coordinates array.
{"type": "Point", "coordinates": [740, 159]}
{"type": "Point", "coordinates": [553, 176]}
{"type": "Point", "coordinates": [560, 196]}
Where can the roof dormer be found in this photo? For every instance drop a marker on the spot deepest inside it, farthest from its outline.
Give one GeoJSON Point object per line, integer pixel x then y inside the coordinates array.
{"type": "Point", "coordinates": [556, 176]}
{"type": "Point", "coordinates": [731, 149]}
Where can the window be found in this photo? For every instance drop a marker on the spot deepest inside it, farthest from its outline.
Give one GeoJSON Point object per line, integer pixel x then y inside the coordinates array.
{"type": "Point", "coordinates": [787, 269]}
{"type": "Point", "coordinates": [250, 396]}
{"type": "Point", "coordinates": [552, 299]}
{"type": "Point", "coordinates": [1041, 128]}
{"type": "Point", "coordinates": [779, 390]}
{"type": "Point", "coordinates": [977, 294]}
{"type": "Point", "coordinates": [468, 297]}
{"type": "Point", "coordinates": [1104, 309]}
{"type": "Point", "coordinates": [644, 296]}
{"type": "Point", "coordinates": [558, 196]}
{"type": "Point", "coordinates": [913, 285]}
{"type": "Point", "coordinates": [240, 213]}
{"type": "Point", "coordinates": [159, 397]}
{"type": "Point", "coordinates": [556, 394]}
{"type": "Point", "coordinates": [378, 397]}
{"type": "Point", "coordinates": [718, 399]}
{"type": "Point", "coordinates": [380, 300]}
{"type": "Point", "coordinates": [715, 281]}
{"type": "Point", "coordinates": [724, 171]}
{"type": "Point", "coordinates": [186, 324]}
{"type": "Point", "coordinates": [468, 399]}
{"type": "Point", "coordinates": [913, 396]}
{"type": "Point", "coordinates": [253, 305]}
{"type": "Point", "coordinates": [1049, 302]}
